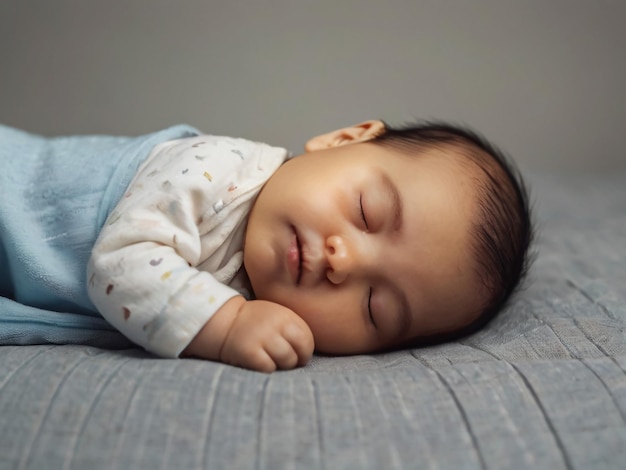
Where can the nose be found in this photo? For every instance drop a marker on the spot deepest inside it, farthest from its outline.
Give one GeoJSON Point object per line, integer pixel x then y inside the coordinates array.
{"type": "Point", "coordinates": [340, 259]}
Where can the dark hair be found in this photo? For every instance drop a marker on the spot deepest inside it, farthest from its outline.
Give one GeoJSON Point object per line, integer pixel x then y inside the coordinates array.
{"type": "Point", "coordinates": [503, 232]}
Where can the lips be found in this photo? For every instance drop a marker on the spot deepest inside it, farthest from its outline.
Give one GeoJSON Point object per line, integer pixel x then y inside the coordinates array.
{"type": "Point", "coordinates": [294, 257]}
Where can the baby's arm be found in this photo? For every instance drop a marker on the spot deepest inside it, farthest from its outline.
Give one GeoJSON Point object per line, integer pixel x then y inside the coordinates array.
{"type": "Point", "coordinates": [143, 279]}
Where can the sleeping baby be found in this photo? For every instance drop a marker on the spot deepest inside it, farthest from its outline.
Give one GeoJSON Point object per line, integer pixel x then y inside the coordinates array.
{"type": "Point", "coordinates": [231, 250]}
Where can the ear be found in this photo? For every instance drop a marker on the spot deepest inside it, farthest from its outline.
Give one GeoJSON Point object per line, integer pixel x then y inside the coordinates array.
{"type": "Point", "coordinates": [347, 135]}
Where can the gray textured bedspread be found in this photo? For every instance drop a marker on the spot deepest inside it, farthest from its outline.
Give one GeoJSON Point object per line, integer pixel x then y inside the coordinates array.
{"type": "Point", "coordinates": [543, 386]}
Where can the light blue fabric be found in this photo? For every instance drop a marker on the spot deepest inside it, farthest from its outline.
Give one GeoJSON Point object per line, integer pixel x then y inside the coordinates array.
{"type": "Point", "coordinates": [55, 194]}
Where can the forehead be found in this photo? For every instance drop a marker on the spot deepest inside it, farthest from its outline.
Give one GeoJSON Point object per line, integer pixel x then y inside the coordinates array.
{"type": "Point", "coordinates": [444, 177]}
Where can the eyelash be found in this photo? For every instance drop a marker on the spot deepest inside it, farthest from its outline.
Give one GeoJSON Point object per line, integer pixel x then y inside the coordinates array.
{"type": "Point", "coordinates": [369, 295]}
{"type": "Point", "coordinates": [362, 211]}
{"type": "Point", "coordinates": [369, 306]}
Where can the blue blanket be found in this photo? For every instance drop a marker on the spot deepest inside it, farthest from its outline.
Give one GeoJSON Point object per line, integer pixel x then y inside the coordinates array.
{"type": "Point", "coordinates": [55, 194]}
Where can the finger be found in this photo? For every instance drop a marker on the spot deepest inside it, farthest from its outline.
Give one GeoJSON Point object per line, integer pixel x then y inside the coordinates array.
{"type": "Point", "coordinates": [282, 353]}
{"type": "Point", "coordinates": [300, 338]}
{"type": "Point", "coordinates": [249, 357]}
{"type": "Point", "coordinates": [260, 361]}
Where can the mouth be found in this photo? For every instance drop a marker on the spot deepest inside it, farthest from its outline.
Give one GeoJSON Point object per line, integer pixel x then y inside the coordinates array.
{"type": "Point", "coordinates": [294, 257]}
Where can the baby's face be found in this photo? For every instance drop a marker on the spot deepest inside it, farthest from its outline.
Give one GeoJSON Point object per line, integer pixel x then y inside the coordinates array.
{"type": "Point", "coordinates": [369, 246]}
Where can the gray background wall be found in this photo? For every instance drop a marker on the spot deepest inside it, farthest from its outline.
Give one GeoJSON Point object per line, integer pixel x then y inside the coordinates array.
{"type": "Point", "coordinates": [544, 79]}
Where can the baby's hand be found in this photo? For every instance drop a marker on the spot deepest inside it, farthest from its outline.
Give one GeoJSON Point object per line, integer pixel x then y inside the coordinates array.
{"type": "Point", "coordinates": [266, 336]}
{"type": "Point", "coordinates": [255, 334]}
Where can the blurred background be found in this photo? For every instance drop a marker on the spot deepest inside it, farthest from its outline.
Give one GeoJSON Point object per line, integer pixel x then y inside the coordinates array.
{"type": "Point", "coordinates": [543, 79]}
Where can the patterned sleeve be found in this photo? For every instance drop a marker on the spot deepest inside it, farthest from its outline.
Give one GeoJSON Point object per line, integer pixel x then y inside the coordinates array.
{"type": "Point", "coordinates": [142, 275]}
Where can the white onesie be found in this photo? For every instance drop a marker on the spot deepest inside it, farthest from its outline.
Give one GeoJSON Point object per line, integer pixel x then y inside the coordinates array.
{"type": "Point", "coordinates": [170, 254]}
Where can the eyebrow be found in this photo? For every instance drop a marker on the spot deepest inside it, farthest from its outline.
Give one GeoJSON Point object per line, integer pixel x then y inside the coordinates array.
{"type": "Point", "coordinates": [396, 202]}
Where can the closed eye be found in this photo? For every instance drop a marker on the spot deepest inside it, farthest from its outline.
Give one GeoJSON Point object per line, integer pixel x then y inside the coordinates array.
{"type": "Point", "coordinates": [369, 307]}
{"type": "Point", "coordinates": [363, 212]}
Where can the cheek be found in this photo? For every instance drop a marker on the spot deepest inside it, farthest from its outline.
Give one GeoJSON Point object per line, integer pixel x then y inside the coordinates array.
{"type": "Point", "coordinates": [305, 307]}
{"type": "Point", "coordinates": [256, 260]}
{"type": "Point", "coordinates": [336, 326]}
{"type": "Point", "coordinates": [313, 309]}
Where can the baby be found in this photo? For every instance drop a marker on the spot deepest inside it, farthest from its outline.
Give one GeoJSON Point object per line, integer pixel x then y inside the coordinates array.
{"type": "Point", "coordinates": [231, 250]}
